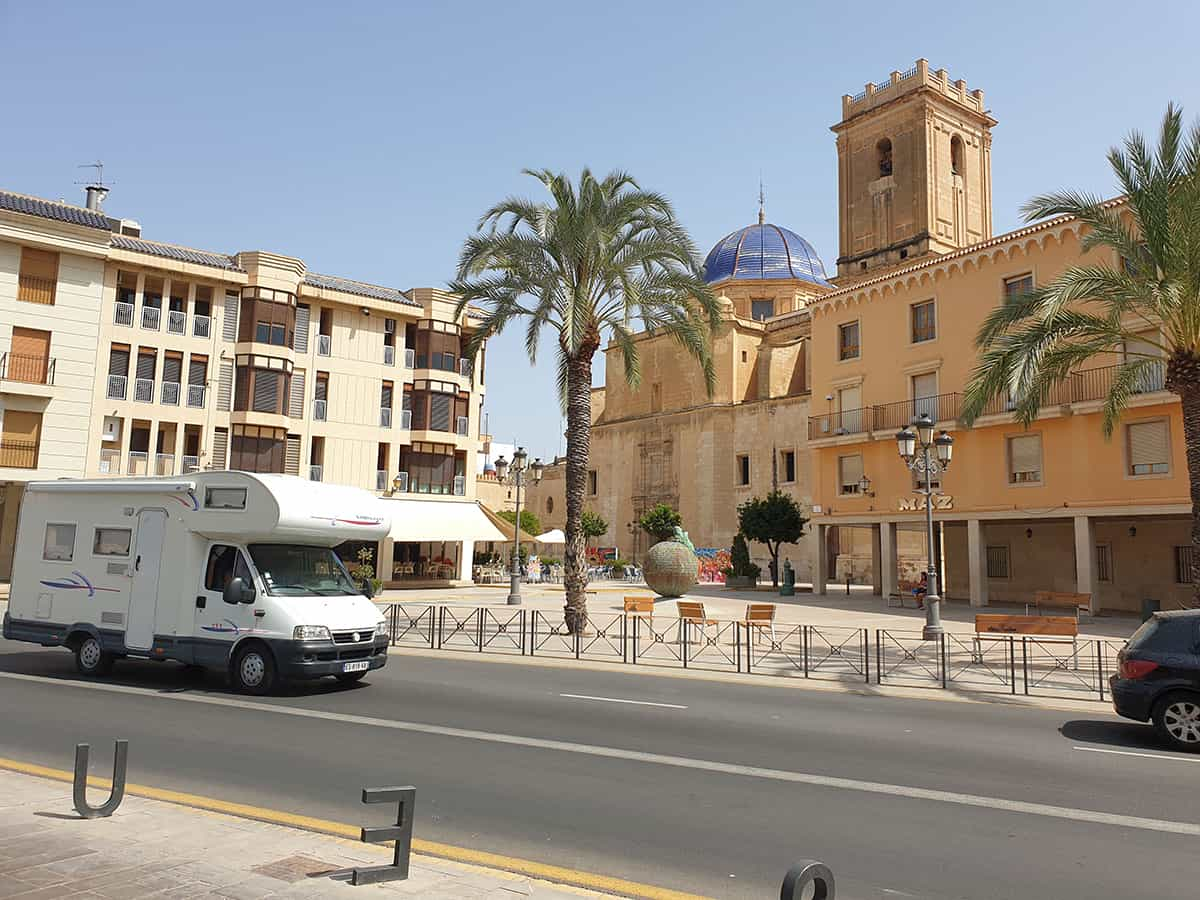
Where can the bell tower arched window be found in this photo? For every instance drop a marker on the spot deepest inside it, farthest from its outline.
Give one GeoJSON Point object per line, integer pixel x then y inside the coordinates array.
{"type": "Point", "coordinates": [956, 155]}
{"type": "Point", "coordinates": [883, 153]}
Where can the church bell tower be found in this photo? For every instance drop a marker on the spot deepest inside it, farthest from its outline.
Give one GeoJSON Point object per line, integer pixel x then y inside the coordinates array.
{"type": "Point", "coordinates": [914, 170]}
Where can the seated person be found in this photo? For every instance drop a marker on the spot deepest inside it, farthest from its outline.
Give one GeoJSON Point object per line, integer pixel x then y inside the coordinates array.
{"type": "Point", "coordinates": [921, 589]}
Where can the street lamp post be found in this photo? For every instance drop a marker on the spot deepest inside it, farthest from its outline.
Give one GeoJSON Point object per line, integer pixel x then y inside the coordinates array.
{"type": "Point", "coordinates": [915, 450]}
{"type": "Point", "coordinates": [514, 474]}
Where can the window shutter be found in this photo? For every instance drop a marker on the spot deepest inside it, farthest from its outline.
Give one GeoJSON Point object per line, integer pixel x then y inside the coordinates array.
{"type": "Point", "coordinates": [220, 448]}
{"type": "Point", "coordinates": [850, 398]}
{"type": "Point", "coordinates": [225, 387]}
{"type": "Point", "coordinates": [229, 317]}
{"type": "Point", "coordinates": [118, 362]}
{"type": "Point", "coordinates": [296, 401]}
{"type": "Point", "coordinates": [172, 369]}
{"type": "Point", "coordinates": [145, 365]}
{"type": "Point", "coordinates": [291, 464]}
{"type": "Point", "coordinates": [197, 371]}
{"type": "Point", "coordinates": [851, 470]}
{"type": "Point", "coordinates": [1025, 457]}
{"type": "Point", "coordinates": [924, 385]}
{"type": "Point", "coordinates": [439, 412]}
{"type": "Point", "coordinates": [300, 338]}
{"type": "Point", "coordinates": [266, 391]}
{"type": "Point", "coordinates": [1148, 444]}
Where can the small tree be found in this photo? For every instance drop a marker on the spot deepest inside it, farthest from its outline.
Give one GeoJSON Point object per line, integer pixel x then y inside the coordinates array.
{"type": "Point", "coordinates": [530, 523]}
{"type": "Point", "coordinates": [660, 522]}
{"type": "Point", "coordinates": [739, 559]}
{"type": "Point", "coordinates": [772, 520]}
{"type": "Point", "coordinates": [593, 525]}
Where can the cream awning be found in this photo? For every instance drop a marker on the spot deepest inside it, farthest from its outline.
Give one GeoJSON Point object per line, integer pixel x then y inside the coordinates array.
{"type": "Point", "coordinates": [438, 520]}
{"type": "Point", "coordinates": [505, 528]}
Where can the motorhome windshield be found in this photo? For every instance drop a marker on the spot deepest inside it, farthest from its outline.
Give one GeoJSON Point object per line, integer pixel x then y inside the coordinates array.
{"type": "Point", "coordinates": [290, 570]}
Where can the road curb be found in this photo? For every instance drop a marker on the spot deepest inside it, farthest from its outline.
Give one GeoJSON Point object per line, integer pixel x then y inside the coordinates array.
{"type": "Point", "coordinates": [586, 882]}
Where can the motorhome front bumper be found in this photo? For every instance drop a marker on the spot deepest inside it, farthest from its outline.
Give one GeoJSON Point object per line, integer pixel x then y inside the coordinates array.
{"type": "Point", "coordinates": [316, 659]}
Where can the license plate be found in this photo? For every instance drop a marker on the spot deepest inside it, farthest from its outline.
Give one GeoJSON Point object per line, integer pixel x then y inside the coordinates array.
{"type": "Point", "coordinates": [359, 666]}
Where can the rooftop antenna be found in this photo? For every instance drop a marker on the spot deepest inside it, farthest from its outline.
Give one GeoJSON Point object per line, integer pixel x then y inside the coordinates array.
{"type": "Point", "coordinates": [96, 189]}
{"type": "Point", "coordinates": [762, 203]}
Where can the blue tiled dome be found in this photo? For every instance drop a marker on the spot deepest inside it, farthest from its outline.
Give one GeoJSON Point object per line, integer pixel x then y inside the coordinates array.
{"type": "Point", "coordinates": [764, 251]}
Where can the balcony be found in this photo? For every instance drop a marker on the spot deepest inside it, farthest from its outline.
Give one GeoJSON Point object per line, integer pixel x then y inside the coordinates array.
{"type": "Point", "coordinates": [195, 396]}
{"type": "Point", "coordinates": [117, 385]}
{"type": "Point", "coordinates": [324, 344]}
{"type": "Point", "coordinates": [123, 314]}
{"type": "Point", "coordinates": [462, 426]}
{"type": "Point", "coordinates": [189, 464]}
{"type": "Point", "coordinates": [139, 463]}
{"type": "Point", "coordinates": [410, 359]}
{"type": "Point", "coordinates": [170, 393]}
{"type": "Point", "coordinates": [314, 473]}
{"type": "Point", "coordinates": [381, 480]}
{"type": "Point", "coordinates": [164, 463]}
{"type": "Point", "coordinates": [319, 411]}
{"type": "Point", "coordinates": [385, 417]}
{"type": "Point", "coordinates": [151, 317]}
{"type": "Point", "coordinates": [176, 322]}
{"type": "Point", "coordinates": [143, 390]}
{"type": "Point", "coordinates": [110, 462]}
{"type": "Point", "coordinates": [16, 454]}
{"type": "Point", "coordinates": [201, 326]}
{"type": "Point", "coordinates": [406, 419]}
{"type": "Point", "coordinates": [26, 369]}
{"type": "Point", "coordinates": [389, 355]}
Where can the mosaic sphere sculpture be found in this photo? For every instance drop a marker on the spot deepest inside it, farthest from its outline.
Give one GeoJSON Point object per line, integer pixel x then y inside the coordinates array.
{"type": "Point", "coordinates": [670, 569]}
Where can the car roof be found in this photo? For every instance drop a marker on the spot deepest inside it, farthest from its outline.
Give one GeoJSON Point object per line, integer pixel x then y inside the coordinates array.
{"type": "Point", "coordinates": [1178, 614]}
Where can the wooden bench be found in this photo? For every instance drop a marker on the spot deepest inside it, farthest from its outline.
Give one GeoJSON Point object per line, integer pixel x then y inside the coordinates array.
{"type": "Point", "coordinates": [903, 592]}
{"type": "Point", "coordinates": [997, 625]}
{"type": "Point", "coordinates": [1078, 603]}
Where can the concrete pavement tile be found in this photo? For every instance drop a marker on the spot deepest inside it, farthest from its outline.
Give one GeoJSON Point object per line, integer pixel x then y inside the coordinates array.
{"type": "Point", "coordinates": [251, 888]}
{"type": "Point", "coordinates": [11, 886]}
{"type": "Point", "coordinates": [14, 866]}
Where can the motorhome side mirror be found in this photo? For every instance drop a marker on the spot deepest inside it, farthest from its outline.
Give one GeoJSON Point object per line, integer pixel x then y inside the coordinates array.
{"type": "Point", "coordinates": [237, 591]}
{"type": "Point", "coordinates": [368, 590]}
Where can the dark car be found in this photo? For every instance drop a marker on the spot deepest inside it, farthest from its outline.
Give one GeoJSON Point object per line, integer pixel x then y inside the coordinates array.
{"type": "Point", "coordinates": [1159, 677]}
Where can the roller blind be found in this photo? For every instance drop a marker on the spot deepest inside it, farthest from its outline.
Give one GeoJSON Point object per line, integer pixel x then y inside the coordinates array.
{"type": "Point", "coordinates": [851, 470]}
{"type": "Point", "coordinates": [220, 448]}
{"type": "Point", "coordinates": [924, 385]}
{"type": "Point", "coordinates": [266, 391]}
{"type": "Point", "coordinates": [118, 361]}
{"type": "Point", "coordinates": [439, 412]}
{"type": "Point", "coordinates": [172, 369]}
{"type": "Point", "coordinates": [229, 317]}
{"type": "Point", "coordinates": [291, 462]}
{"type": "Point", "coordinates": [1149, 450]}
{"type": "Point", "coordinates": [145, 365]}
{"type": "Point", "coordinates": [197, 371]}
{"type": "Point", "coordinates": [296, 401]}
{"type": "Point", "coordinates": [1025, 458]}
{"type": "Point", "coordinates": [385, 396]}
{"type": "Point", "coordinates": [300, 337]}
{"type": "Point", "coordinates": [225, 388]}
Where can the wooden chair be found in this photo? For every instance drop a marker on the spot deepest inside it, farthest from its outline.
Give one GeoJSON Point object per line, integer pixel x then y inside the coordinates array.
{"type": "Point", "coordinates": [692, 612]}
{"type": "Point", "coordinates": [639, 608]}
{"type": "Point", "coordinates": [762, 617]}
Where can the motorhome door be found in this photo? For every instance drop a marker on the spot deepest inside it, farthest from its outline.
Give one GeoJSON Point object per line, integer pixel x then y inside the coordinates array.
{"type": "Point", "coordinates": [143, 594]}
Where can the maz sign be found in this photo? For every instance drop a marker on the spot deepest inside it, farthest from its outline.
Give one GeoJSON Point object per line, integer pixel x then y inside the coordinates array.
{"type": "Point", "coordinates": [916, 504]}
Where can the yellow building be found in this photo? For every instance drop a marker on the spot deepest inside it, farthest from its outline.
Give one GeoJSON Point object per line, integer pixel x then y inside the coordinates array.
{"type": "Point", "coordinates": [127, 356]}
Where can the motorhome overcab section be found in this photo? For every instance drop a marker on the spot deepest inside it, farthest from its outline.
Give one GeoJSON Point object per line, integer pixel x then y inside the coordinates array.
{"type": "Point", "coordinates": [227, 570]}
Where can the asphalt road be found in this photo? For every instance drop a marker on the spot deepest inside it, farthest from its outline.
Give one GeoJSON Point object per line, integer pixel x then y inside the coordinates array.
{"type": "Point", "coordinates": [698, 785]}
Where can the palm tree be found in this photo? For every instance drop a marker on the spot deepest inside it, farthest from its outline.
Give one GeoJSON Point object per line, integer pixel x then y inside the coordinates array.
{"type": "Point", "coordinates": [1034, 341]}
{"type": "Point", "coordinates": [597, 260]}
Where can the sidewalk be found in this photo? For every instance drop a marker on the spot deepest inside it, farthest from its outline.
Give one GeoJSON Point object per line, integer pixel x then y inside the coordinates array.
{"type": "Point", "coordinates": [149, 848]}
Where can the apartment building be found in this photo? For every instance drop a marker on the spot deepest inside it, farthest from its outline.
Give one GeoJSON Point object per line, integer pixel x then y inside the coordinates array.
{"type": "Point", "coordinates": [120, 355]}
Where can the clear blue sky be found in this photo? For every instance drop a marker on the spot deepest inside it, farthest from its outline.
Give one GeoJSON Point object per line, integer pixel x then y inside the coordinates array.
{"type": "Point", "coordinates": [366, 138]}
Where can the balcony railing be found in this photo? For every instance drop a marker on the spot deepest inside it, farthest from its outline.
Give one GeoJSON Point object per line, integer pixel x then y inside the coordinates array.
{"type": "Point", "coordinates": [195, 396]}
{"type": "Point", "coordinates": [389, 355]}
{"type": "Point", "coordinates": [462, 426]}
{"type": "Point", "coordinates": [460, 485]}
{"type": "Point", "coordinates": [15, 454]}
{"type": "Point", "coordinates": [324, 343]}
{"type": "Point", "coordinates": [151, 317]}
{"type": "Point", "coordinates": [894, 416]}
{"type": "Point", "coordinates": [846, 421]}
{"type": "Point", "coordinates": [201, 326]}
{"type": "Point", "coordinates": [110, 462]}
{"type": "Point", "coordinates": [164, 463]}
{"type": "Point", "coordinates": [381, 480]}
{"type": "Point", "coordinates": [406, 419]}
{"type": "Point", "coordinates": [189, 464]}
{"type": "Point", "coordinates": [117, 385]}
{"type": "Point", "coordinates": [27, 369]}
{"type": "Point", "coordinates": [314, 473]}
{"type": "Point", "coordinates": [170, 393]}
{"type": "Point", "coordinates": [176, 322]}
{"type": "Point", "coordinates": [465, 368]}
{"type": "Point", "coordinates": [401, 485]}
{"type": "Point", "coordinates": [139, 462]}
{"type": "Point", "coordinates": [123, 314]}
{"type": "Point", "coordinates": [143, 390]}
{"type": "Point", "coordinates": [319, 410]}
{"type": "Point", "coordinates": [410, 358]}
{"type": "Point", "coordinates": [385, 417]}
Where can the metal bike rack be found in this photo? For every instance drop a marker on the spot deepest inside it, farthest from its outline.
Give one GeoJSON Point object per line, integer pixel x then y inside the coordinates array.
{"type": "Point", "coordinates": [79, 794]}
{"type": "Point", "coordinates": [401, 833]}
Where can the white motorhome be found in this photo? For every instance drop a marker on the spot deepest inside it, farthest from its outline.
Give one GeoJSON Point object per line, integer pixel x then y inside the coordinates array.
{"type": "Point", "coordinates": [226, 570]}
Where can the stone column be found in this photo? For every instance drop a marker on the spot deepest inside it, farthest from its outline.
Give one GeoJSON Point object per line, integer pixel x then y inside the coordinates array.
{"type": "Point", "coordinates": [383, 565]}
{"type": "Point", "coordinates": [466, 561]}
{"type": "Point", "coordinates": [1085, 560]}
{"type": "Point", "coordinates": [977, 563]}
{"type": "Point", "coordinates": [887, 556]}
{"type": "Point", "coordinates": [877, 587]}
{"type": "Point", "coordinates": [819, 537]}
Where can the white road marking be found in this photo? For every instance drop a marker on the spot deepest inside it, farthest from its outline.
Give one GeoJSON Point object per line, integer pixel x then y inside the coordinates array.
{"type": "Point", "coordinates": [1134, 753]}
{"type": "Point", "coordinates": [661, 759]}
{"type": "Point", "coordinates": [619, 700]}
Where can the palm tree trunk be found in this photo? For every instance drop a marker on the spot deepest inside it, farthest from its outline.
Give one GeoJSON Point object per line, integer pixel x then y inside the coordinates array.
{"type": "Point", "coordinates": [1189, 394]}
{"type": "Point", "coordinates": [579, 441]}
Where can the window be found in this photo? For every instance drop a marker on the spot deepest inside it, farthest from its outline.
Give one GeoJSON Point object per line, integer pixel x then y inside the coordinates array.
{"type": "Point", "coordinates": [549, 506]}
{"type": "Point", "coordinates": [432, 468]}
{"type": "Point", "coordinates": [437, 345]}
{"type": "Point", "coordinates": [224, 564]}
{"type": "Point", "coordinates": [1149, 448]}
{"type": "Point", "coordinates": [923, 326]}
{"type": "Point", "coordinates": [997, 561]}
{"type": "Point", "coordinates": [267, 316]}
{"type": "Point", "coordinates": [656, 396]}
{"type": "Point", "coordinates": [270, 333]}
{"type": "Point", "coordinates": [1103, 562]}
{"type": "Point", "coordinates": [592, 483]}
{"type": "Point", "coordinates": [743, 470]}
{"type": "Point", "coordinates": [760, 310]}
{"type": "Point", "coordinates": [59, 545]}
{"type": "Point", "coordinates": [956, 155]}
{"type": "Point", "coordinates": [848, 345]}
{"type": "Point", "coordinates": [850, 472]}
{"type": "Point", "coordinates": [883, 155]}
{"type": "Point", "coordinates": [224, 498]}
{"type": "Point", "coordinates": [111, 541]}
{"type": "Point", "coordinates": [850, 413]}
{"type": "Point", "coordinates": [256, 448]}
{"type": "Point", "coordinates": [924, 395]}
{"type": "Point", "coordinates": [788, 458]}
{"type": "Point", "coordinates": [1017, 285]}
{"type": "Point", "coordinates": [1025, 459]}
{"type": "Point", "coordinates": [38, 277]}
{"type": "Point", "coordinates": [1183, 564]}
{"type": "Point", "coordinates": [743, 356]}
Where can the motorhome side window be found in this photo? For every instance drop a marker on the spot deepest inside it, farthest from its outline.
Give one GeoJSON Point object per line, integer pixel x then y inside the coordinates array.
{"type": "Point", "coordinates": [60, 543]}
{"type": "Point", "coordinates": [111, 541]}
{"type": "Point", "coordinates": [224, 498]}
{"type": "Point", "coordinates": [224, 564]}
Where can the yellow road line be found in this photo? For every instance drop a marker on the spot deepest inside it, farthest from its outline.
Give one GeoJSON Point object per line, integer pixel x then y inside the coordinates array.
{"type": "Point", "coordinates": [540, 871]}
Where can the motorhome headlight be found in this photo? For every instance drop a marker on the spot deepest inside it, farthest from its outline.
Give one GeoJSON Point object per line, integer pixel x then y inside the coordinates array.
{"type": "Point", "coordinates": [381, 630]}
{"type": "Point", "coordinates": [311, 633]}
